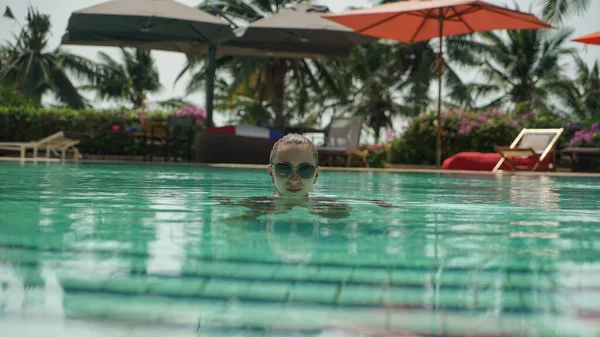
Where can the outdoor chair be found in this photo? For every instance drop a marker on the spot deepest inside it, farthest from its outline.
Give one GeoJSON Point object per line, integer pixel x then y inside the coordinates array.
{"type": "Point", "coordinates": [536, 144]}
{"type": "Point", "coordinates": [342, 139]}
{"type": "Point", "coordinates": [154, 138]}
{"type": "Point", "coordinates": [56, 143]}
{"type": "Point", "coordinates": [179, 134]}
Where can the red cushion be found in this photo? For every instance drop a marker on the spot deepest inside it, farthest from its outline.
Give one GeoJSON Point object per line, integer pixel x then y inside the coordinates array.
{"type": "Point", "coordinates": [480, 161]}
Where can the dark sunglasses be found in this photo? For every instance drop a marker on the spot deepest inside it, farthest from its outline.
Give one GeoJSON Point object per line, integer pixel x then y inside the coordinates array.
{"type": "Point", "coordinates": [305, 170]}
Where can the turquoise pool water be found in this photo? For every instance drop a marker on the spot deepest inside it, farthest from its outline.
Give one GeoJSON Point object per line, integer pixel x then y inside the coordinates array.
{"type": "Point", "coordinates": [143, 250]}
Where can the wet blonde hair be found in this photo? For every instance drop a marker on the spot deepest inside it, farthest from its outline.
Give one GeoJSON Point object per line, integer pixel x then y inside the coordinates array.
{"type": "Point", "coordinates": [295, 139]}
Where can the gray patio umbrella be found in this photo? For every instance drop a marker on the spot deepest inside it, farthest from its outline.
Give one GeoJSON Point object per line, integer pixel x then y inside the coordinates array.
{"type": "Point", "coordinates": [301, 31]}
{"type": "Point", "coordinates": [191, 49]}
{"type": "Point", "coordinates": [297, 32]}
{"type": "Point", "coordinates": [150, 24]}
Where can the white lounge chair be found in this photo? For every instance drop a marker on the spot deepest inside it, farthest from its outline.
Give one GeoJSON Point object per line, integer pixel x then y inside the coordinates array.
{"type": "Point", "coordinates": [537, 143]}
{"type": "Point", "coordinates": [55, 143]}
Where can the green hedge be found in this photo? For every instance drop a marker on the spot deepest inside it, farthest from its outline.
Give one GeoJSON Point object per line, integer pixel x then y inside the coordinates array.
{"type": "Point", "coordinates": [18, 124]}
{"type": "Point", "coordinates": [462, 131]}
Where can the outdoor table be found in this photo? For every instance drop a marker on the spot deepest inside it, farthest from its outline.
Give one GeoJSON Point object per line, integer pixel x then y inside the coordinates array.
{"type": "Point", "coordinates": [575, 153]}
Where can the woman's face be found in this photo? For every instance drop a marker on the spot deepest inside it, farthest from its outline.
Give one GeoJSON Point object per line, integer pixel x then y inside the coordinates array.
{"type": "Point", "coordinates": [300, 161]}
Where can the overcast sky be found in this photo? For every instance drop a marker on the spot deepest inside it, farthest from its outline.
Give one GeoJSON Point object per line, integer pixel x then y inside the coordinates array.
{"type": "Point", "coordinates": [170, 64]}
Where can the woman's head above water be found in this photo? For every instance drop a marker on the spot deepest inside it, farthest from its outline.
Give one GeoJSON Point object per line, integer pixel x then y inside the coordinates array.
{"type": "Point", "coordinates": [294, 166]}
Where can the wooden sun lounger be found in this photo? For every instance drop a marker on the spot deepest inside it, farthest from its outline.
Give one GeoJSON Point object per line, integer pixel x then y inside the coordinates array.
{"type": "Point", "coordinates": [538, 143]}
{"type": "Point", "coordinates": [56, 143]}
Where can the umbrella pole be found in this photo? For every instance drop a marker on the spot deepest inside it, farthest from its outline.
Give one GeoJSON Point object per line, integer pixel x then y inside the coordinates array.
{"type": "Point", "coordinates": [440, 61]}
{"type": "Point", "coordinates": [210, 84]}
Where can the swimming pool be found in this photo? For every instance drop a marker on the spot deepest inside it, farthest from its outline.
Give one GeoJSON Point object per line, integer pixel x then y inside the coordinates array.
{"type": "Point", "coordinates": [143, 250]}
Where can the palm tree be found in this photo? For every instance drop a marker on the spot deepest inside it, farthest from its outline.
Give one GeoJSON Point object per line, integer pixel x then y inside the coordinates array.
{"type": "Point", "coordinates": [556, 11]}
{"type": "Point", "coordinates": [581, 96]}
{"type": "Point", "coordinates": [130, 81]}
{"type": "Point", "coordinates": [374, 78]}
{"type": "Point", "coordinates": [35, 71]}
{"type": "Point", "coordinates": [384, 80]}
{"type": "Point", "coordinates": [473, 98]}
{"type": "Point", "coordinates": [174, 103]}
{"type": "Point", "coordinates": [243, 107]}
{"type": "Point", "coordinates": [524, 68]}
{"type": "Point", "coordinates": [268, 77]}
{"type": "Point", "coordinates": [247, 97]}
{"type": "Point", "coordinates": [9, 93]}
{"type": "Point", "coordinates": [463, 49]}
{"type": "Point", "coordinates": [5, 53]}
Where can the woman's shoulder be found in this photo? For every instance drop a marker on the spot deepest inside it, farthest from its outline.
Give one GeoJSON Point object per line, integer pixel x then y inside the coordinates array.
{"type": "Point", "coordinates": [320, 198]}
{"type": "Point", "coordinates": [263, 198]}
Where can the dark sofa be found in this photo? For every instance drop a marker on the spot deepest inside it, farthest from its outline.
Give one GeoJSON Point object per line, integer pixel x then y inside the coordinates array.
{"type": "Point", "coordinates": [217, 148]}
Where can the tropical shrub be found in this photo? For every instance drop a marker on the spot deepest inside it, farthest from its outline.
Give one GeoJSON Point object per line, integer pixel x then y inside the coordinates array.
{"type": "Point", "coordinates": [577, 135]}
{"type": "Point", "coordinates": [378, 153]}
{"type": "Point", "coordinates": [131, 120]}
{"type": "Point", "coordinates": [198, 113]}
{"type": "Point", "coordinates": [10, 96]}
{"type": "Point", "coordinates": [464, 131]}
{"type": "Point", "coordinates": [461, 131]}
{"type": "Point", "coordinates": [585, 136]}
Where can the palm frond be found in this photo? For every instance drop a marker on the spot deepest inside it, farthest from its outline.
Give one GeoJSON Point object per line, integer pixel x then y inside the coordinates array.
{"type": "Point", "coordinates": [65, 90]}
{"type": "Point", "coordinates": [234, 9]}
{"type": "Point", "coordinates": [79, 66]}
{"type": "Point", "coordinates": [110, 64]}
{"type": "Point", "coordinates": [171, 103]}
{"type": "Point", "coordinates": [556, 11]}
{"type": "Point", "coordinates": [465, 52]}
{"type": "Point", "coordinates": [8, 13]}
{"type": "Point", "coordinates": [191, 64]}
{"type": "Point", "coordinates": [456, 89]}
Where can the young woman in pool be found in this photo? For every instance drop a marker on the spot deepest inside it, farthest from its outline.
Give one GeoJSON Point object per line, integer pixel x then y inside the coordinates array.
{"type": "Point", "coordinates": [293, 169]}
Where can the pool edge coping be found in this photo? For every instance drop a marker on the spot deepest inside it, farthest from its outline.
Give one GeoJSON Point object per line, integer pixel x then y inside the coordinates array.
{"type": "Point", "coordinates": [348, 169]}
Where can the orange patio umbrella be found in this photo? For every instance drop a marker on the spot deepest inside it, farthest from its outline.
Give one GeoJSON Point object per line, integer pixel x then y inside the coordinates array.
{"type": "Point", "coordinates": [593, 38]}
{"type": "Point", "coordinates": [421, 20]}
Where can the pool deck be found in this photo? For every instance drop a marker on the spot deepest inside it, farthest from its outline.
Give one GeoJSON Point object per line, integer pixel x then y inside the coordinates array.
{"type": "Point", "coordinates": [396, 168]}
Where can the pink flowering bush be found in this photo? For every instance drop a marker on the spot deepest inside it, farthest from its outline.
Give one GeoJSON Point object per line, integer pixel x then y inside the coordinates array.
{"type": "Point", "coordinates": [586, 137]}
{"type": "Point", "coordinates": [134, 116]}
{"type": "Point", "coordinates": [131, 120]}
{"type": "Point", "coordinates": [378, 152]}
{"type": "Point", "coordinates": [582, 134]}
{"type": "Point", "coordinates": [461, 131]}
{"type": "Point", "coordinates": [198, 113]}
